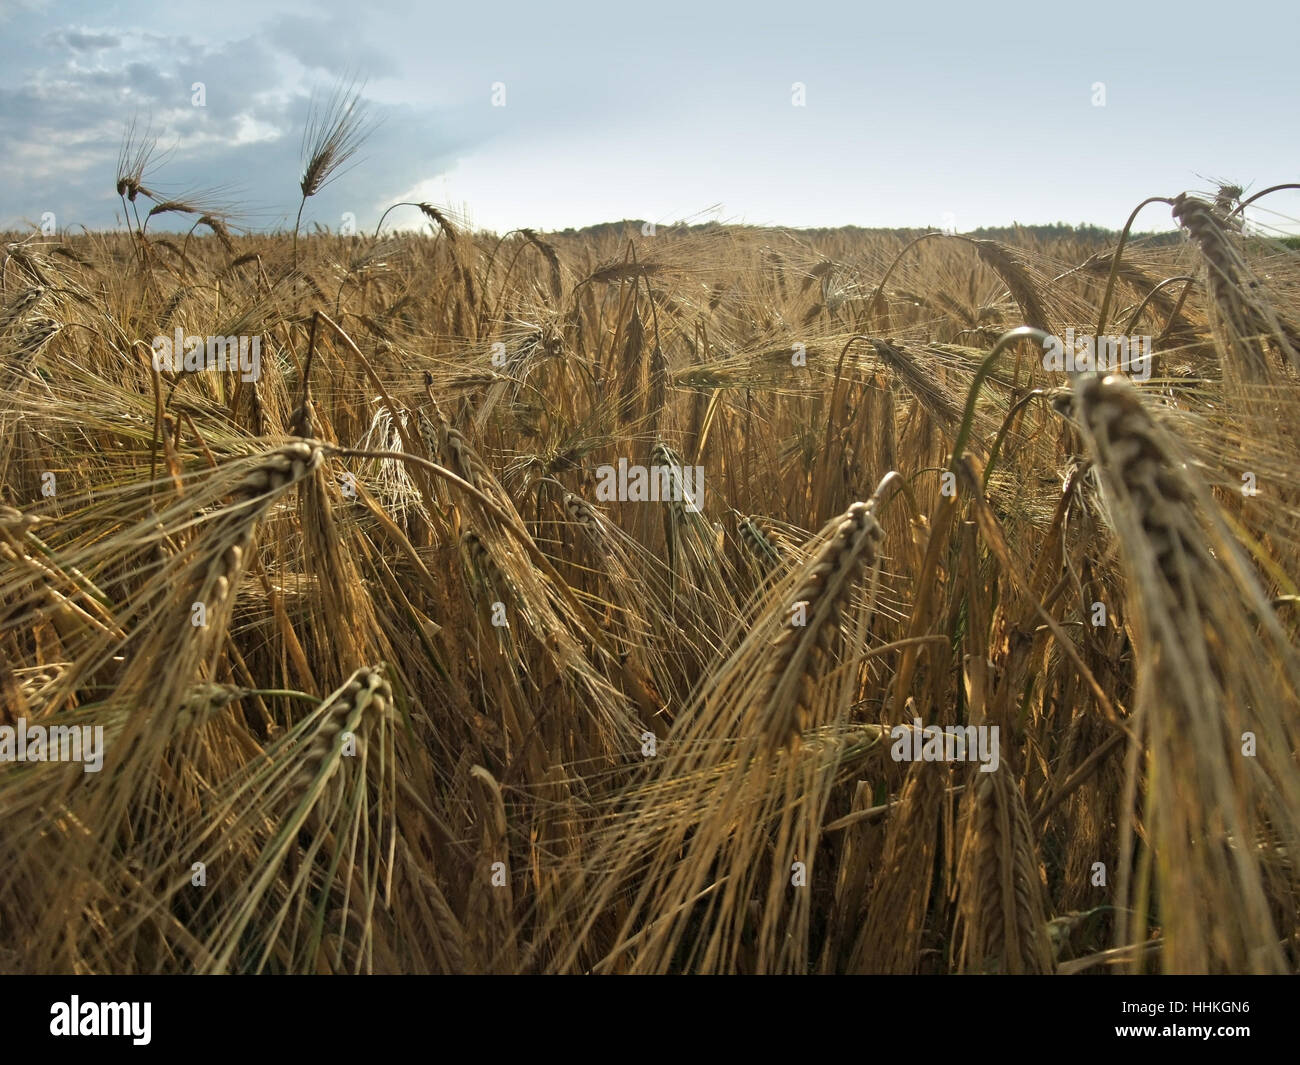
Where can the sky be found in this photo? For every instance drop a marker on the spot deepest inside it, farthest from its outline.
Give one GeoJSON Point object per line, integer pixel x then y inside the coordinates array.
{"type": "Point", "coordinates": [550, 115]}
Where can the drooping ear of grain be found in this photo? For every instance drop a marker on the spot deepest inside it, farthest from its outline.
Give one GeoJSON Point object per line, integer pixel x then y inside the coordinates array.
{"type": "Point", "coordinates": [800, 652]}
{"type": "Point", "coordinates": [890, 937]}
{"type": "Point", "coordinates": [1004, 263]}
{"type": "Point", "coordinates": [1246, 325]}
{"type": "Point", "coordinates": [1215, 814]}
{"type": "Point", "coordinates": [1002, 919]}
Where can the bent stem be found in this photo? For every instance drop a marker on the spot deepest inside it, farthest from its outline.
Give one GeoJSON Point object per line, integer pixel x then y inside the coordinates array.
{"type": "Point", "coordinates": [1104, 313]}
{"type": "Point", "coordinates": [986, 367]}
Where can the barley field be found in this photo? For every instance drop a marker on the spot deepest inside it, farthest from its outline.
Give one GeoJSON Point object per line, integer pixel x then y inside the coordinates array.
{"type": "Point", "coordinates": [592, 602]}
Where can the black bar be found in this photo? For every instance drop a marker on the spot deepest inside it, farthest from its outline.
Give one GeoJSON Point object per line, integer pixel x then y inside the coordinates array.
{"type": "Point", "coordinates": [490, 1016]}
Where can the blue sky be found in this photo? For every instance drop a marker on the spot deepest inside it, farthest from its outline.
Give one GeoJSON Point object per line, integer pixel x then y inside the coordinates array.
{"type": "Point", "coordinates": [914, 115]}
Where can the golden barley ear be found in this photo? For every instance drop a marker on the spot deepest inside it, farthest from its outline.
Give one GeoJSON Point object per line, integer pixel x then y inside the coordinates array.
{"type": "Point", "coordinates": [335, 132]}
{"type": "Point", "coordinates": [801, 650]}
{"type": "Point", "coordinates": [1245, 323]}
{"type": "Point", "coordinates": [1215, 667]}
{"type": "Point", "coordinates": [1002, 261]}
{"type": "Point", "coordinates": [1002, 924]}
{"type": "Point", "coordinates": [889, 940]}
{"type": "Point", "coordinates": [337, 126]}
{"type": "Point", "coordinates": [317, 805]}
{"type": "Point", "coordinates": [718, 840]}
